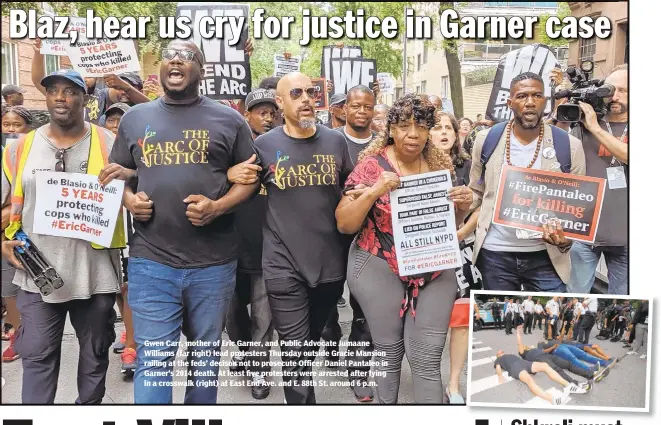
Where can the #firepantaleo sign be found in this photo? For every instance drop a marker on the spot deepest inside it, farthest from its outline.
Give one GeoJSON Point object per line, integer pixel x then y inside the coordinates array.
{"type": "Point", "coordinates": [528, 199]}
{"type": "Point", "coordinates": [227, 66]}
{"type": "Point", "coordinates": [73, 205]}
{"type": "Point", "coordinates": [535, 58]}
{"type": "Point", "coordinates": [424, 225]}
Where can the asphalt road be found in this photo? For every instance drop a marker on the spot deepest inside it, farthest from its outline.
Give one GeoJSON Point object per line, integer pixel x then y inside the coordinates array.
{"type": "Point", "coordinates": [623, 387]}
{"type": "Point", "coordinates": [120, 387]}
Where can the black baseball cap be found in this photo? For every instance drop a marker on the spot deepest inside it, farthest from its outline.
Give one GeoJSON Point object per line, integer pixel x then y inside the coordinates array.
{"type": "Point", "coordinates": [258, 96]}
{"type": "Point", "coordinates": [132, 78]}
{"type": "Point", "coordinates": [121, 106]}
{"type": "Point", "coordinates": [11, 89]}
{"type": "Point", "coordinates": [338, 99]}
{"type": "Point", "coordinates": [67, 74]}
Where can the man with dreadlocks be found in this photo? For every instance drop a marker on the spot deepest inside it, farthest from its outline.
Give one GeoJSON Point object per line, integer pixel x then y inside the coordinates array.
{"type": "Point", "coordinates": [511, 258]}
{"type": "Point", "coordinates": [405, 148]}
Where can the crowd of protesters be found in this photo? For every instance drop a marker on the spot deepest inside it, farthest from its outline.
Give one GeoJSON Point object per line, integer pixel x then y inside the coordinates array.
{"type": "Point", "coordinates": [265, 207]}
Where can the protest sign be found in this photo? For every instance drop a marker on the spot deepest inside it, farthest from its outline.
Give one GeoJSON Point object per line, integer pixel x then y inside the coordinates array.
{"type": "Point", "coordinates": [73, 205]}
{"type": "Point", "coordinates": [101, 56]}
{"type": "Point", "coordinates": [332, 52]}
{"type": "Point", "coordinates": [348, 73]}
{"type": "Point", "coordinates": [321, 95]}
{"type": "Point", "coordinates": [535, 58]}
{"type": "Point", "coordinates": [386, 83]}
{"type": "Point", "coordinates": [284, 66]}
{"type": "Point", "coordinates": [423, 224]}
{"type": "Point", "coordinates": [58, 47]}
{"type": "Point", "coordinates": [529, 198]}
{"type": "Point", "coordinates": [227, 67]}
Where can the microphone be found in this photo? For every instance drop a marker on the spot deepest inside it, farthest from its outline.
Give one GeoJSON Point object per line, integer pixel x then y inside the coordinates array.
{"type": "Point", "coordinates": [562, 93]}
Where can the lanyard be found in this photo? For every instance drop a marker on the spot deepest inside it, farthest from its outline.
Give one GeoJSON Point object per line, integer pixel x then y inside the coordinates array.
{"type": "Point", "coordinates": [616, 161]}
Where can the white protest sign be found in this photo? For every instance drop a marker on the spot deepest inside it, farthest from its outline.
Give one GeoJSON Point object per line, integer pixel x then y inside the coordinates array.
{"type": "Point", "coordinates": [73, 205]}
{"type": "Point", "coordinates": [284, 66]}
{"type": "Point", "coordinates": [348, 73]}
{"type": "Point", "coordinates": [423, 224]}
{"type": "Point", "coordinates": [101, 56]}
{"type": "Point", "coordinates": [58, 47]}
{"type": "Point", "coordinates": [386, 83]}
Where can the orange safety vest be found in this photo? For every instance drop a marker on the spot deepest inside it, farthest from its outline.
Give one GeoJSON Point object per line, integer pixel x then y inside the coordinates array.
{"type": "Point", "coordinates": [13, 166]}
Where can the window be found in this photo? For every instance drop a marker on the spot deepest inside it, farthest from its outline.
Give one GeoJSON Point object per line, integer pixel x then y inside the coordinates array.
{"type": "Point", "coordinates": [51, 63]}
{"type": "Point", "coordinates": [445, 87]}
{"type": "Point", "coordinates": [425, 53]}
{"type": "Point", "coordinates": [9, 63]}
{"type": "Point", "coordinates": [419, 60]}
{"type": "Point", "coordinates": [423, 88]}
{"type": "Point", "coordinates": [398, 92]}
{"type": "Point", "coordinates": [587, 48]}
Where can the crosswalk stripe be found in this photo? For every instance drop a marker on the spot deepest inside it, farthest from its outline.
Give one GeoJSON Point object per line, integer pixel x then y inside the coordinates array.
{"type": "Point", "coordinates": [486, 360]}
{"type": "Point", "coordinates": [477, 342]}
{"type": "Point", "coordinates": [538, 401]}
{"type": "Point", "coordinates": [481, 349]}
{"type": "Point", "coordinates": [486, 383]}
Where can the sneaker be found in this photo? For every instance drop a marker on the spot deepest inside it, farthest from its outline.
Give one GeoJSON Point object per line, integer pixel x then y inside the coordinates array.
{"type": "Point", "coordinates": [362, 391]}
{"type": "Point", "coordinates": [601, 375]}
{"type": "Point", "coordinates": [585, 385]}
{"type": "Point", "coordinates": [10, 354]}
{"type": "Point", "coordinates": [341, 303]}
{"type": "Point", "coordinates": [120, 345]}
{"type": "Point", "coordinates": [236, 365]}
{"type": "Point", "coordinates": [560, 400]}
{"type": "Point", "coordinates": [129, 360]}
{"type": "Point", "coordinates": [575, 389]}
{"type": "Point", "coordinates": [644, 356]}
{"type": "Point", "coordinates": [631, 353]}
{"type": "Point", "coordinates": [260, 388]}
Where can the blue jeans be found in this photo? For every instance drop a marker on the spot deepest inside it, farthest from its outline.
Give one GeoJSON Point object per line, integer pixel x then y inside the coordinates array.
{"type": "Point", "coordinates": [577, 356]}
{"type": "Point", "coordinates": [166, 302]}
{"type": "Point", "coordinates": [584, 262]}
{"type": "Point", "coordinates": [509, 271]}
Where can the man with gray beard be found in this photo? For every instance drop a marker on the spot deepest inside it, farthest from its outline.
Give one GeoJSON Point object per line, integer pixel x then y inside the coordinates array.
{"type": "Point", "coordinates": [304, 260]}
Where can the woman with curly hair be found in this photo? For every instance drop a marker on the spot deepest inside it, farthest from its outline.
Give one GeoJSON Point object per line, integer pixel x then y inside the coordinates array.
{"type": "Point", "coordinates": [418, 324]}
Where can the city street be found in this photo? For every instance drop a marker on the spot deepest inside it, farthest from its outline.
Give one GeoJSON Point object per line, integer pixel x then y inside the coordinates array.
{"type": "Point", "coordinates": [623, 387]}
{"type": "Point", "coordinates": [120, 387]}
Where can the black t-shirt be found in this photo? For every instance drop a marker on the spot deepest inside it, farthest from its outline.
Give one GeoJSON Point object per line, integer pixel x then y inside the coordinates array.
{"type": "Point", "coordinates": [511, 363]}
{"type": "Point", "coordinates": [96, 104]}
{"type": "Point", "coordinates": [533, 355]}
{"type": "Point", "coordinates": [463, 173]}
{"type": "Point", "coordinates": [249, 220]}
{"type": "Point", "coordinates": [182, 150]}
{"type": "Point", "coordinates": [354, 148]}
{"type": "Point", "coordinates": [612, 230]}
{"type": "Point", "coordinates": [304, 179]}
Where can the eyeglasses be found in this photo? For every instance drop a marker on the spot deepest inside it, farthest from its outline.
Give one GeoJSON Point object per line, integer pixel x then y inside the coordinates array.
{"type": "Point", "coordinates": [59, 165]}
{"type": "Point", "coordinates": [185, 55]}
{"type": "Point", "coordinates": [298, 92]}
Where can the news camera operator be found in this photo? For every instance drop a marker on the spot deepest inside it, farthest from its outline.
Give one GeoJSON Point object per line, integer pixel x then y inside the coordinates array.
{"type": "Point", "coordinates": [605, 143]}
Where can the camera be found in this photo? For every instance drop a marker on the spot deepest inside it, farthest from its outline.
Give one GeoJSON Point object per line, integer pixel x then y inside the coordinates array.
{"type": "Point", "coordinates": [584, 89]}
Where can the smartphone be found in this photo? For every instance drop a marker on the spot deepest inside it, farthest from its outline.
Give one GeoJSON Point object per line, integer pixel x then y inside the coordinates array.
{"type": "Point", "coordinates": [153, 77]}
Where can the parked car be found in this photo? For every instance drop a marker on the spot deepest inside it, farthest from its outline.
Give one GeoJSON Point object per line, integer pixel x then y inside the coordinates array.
{"type": "Point", "coordinates": [486, 318]}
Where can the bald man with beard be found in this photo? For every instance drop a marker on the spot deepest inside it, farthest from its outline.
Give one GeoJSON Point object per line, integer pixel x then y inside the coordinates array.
{"type": "Point", "coordinates": [182, 260]}
{"type": "Point", "coordinates": [304, 260]}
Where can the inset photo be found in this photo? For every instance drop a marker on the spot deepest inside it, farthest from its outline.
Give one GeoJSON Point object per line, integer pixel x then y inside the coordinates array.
{"type": "Point", "coordinates": [576, 351]}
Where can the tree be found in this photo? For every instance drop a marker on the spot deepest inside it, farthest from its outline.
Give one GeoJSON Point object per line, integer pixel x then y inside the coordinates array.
{"type": "Point", "coordinates": [562, 12]}
{"type": "Point", "coordinates": [454, 67]}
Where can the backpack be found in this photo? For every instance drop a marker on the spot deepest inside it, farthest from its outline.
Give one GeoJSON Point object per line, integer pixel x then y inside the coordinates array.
{"type": "Point", "coordinates": [560, 144]}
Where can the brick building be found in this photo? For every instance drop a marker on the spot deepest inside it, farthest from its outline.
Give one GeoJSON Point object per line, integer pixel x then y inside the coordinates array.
{"type": "Point", "coordinates": [17, 66]}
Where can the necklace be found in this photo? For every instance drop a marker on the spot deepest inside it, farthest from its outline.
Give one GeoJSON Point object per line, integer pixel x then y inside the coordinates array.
{"type": "Point", "coordinates": [539, 144]}
{"type": "Point", "coordinates": [400, 165]}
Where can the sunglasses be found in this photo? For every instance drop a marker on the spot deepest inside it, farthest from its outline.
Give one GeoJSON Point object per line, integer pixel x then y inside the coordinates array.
{"type": "Point", "coordinates": [298, 92]}
{"type": "Point", "coordinates": [185, 55]}
{"type": "Point", "coordinates": [59, 165]}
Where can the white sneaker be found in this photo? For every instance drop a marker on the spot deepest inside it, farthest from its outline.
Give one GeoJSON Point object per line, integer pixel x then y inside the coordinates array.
{"type": "Point", "coordinates": [575, 389]}
{"type": "Point", "coordinates": [631, 353]}
{"type": "Point", "coordinates": [560, 400]}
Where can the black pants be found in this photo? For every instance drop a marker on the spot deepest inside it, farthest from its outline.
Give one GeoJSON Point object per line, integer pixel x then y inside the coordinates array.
{"type": "Point", "coordinates": [516, 319]}
{"type": "Point", "coordinates": [577, 326]}
{"type": "Point", "coordinates": [537, 321]}
{"type": "Point", "coordinates": [508, 323]}
{"type": "Point", "coordinates": [39, 343]}
{"type": "Point", "coordinates": [497, 321]}
{"type": "Point", "coordinates": [299, 315]}
{"type": "Point", "coordinates": [586, 327]}
{"type": "Point", "coordinates": [621, 325]}
{"type": "Point", "coordinates": [560, 365]}
{"type": "Point", "coordinates": [360, 332]}
{"type": "Point", "coordinates": [527, 323]}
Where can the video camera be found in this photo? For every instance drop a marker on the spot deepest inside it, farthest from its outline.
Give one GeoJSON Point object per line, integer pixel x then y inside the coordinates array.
{"type": "Point", "coordinates": [584, 89]}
